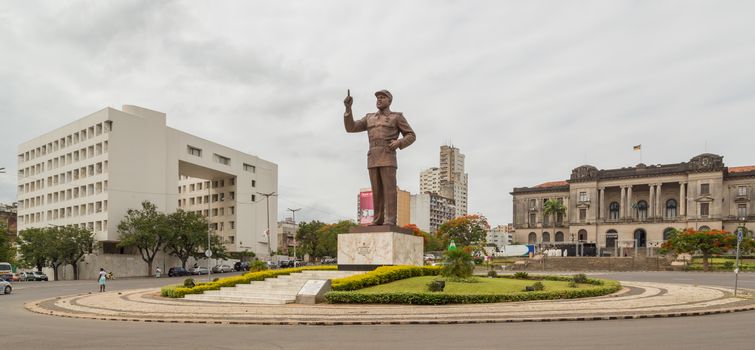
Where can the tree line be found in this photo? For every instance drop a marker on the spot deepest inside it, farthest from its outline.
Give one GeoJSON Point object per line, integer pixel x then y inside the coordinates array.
{"type": "Point", "coordinates": [182, 234]}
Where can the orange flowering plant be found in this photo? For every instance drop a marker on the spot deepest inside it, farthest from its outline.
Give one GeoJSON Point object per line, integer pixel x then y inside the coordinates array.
{"type": "Point", "coordinates": [707, 242]}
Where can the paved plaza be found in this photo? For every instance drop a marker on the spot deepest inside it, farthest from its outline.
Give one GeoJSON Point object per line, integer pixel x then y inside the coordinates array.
{"type": "Point", "coordinates": [635, 300]}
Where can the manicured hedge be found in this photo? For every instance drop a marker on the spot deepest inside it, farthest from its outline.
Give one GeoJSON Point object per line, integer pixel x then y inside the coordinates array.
{"type": "Point", "coordinates": [341, 297]}
{"type": "Point", "coordinates": [178, 291]}
{"type": "Point", "coordinates": [383, 274]}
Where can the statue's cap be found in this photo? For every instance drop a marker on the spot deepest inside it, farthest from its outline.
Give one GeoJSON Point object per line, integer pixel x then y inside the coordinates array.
{"type": "Point", "coordinates": [384, 93]}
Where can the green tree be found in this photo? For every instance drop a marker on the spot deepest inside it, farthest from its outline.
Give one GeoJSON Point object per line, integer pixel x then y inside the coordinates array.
{"type": "Point", "coordinates": [706, 242]}
{"type": "Point", "coordinates": [468, 230]}
{"type": "Point", "coordinates": [327, 240]}
{"type": "Point", "coordinates": [187, 234]}
{"type": "Point", "coordinates": [554, 208]}
{"type": "Point", "coordinates": [217, 247]}
{"type": "Point", "coordinates": [307, 237]}
{"type": "Point", "coordinates": [7, 248]}
{"type": "Point", "coordinates": [74, 242]}
{"type": "Point", "coordinates": [55, 249]}
{"type": "Point", "coordinates": [33, 244]}
{"type": "Point", "coordinates": [430, 242]}
{"type": "Point", "coordinates": [145, 229]}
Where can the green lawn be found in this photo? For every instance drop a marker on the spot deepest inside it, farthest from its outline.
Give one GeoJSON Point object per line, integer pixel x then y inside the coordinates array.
{"type": "Point", "coordinates": [485, 286]}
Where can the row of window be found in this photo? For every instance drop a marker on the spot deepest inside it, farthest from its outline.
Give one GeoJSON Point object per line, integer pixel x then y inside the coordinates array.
{"type": "Point", "coordinates": [217, 158]}
{"type": "Point", "coordinates": [67, 141]}
{"type": "Point", "coordinates": [66, 159]}
{"type": "Point", "coordinates": [64, 195]}
{"type": "Point", "coordinates": [77, 210]}
{"type": "Point", "coordinates": [65, 177]}
{"type": "Point", "coordinates": [218, 184]}
{"type": "Point", "coordinates": [217, 197]}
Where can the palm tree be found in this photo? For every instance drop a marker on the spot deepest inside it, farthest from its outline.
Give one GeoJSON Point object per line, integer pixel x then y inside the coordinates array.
{"type": "Point", "coordinates": [554, 207]}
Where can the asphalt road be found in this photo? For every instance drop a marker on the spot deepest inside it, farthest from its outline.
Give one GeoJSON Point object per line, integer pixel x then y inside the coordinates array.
{"type": "Point", "coordinates": [24, 330]}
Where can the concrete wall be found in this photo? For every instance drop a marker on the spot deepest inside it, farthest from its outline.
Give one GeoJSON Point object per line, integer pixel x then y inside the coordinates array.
{"type": "Point", "coordinates": [598, 264]}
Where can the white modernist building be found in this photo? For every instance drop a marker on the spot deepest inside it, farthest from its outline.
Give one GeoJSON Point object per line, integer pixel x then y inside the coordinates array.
{"type": "Point", "coordinates": [91, 171]}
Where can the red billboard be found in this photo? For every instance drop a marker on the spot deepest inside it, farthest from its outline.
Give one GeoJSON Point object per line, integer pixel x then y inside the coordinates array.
{"type": "Point", "coordinates": [366, 208]}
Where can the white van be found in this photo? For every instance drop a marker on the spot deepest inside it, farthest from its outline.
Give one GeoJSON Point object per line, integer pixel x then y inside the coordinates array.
{"type": "Point", "coordinates": [5, 268]}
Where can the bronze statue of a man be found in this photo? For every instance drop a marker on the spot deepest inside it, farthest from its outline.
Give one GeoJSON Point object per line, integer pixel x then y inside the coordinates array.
{"type": "Point", "coordinates": [383, 129]}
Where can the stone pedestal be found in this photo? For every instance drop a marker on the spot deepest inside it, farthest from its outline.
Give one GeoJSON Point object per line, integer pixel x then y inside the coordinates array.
{"type": "Point", "coordinates": [369, 247]}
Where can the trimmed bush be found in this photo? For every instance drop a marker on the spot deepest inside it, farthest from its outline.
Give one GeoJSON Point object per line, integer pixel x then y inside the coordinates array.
{"type": "Point", "coordinates": [189, 283]}
{"type": "Point", "coordinates": [492, 273]}
{"type": "Point", "coordinates": [436, 285]}
{"type": "Point", "coordinates": [538, 286]}
{"type": "Point", "coordinates": [177, 291]}
{"type": "Point", "coordinates": [383, 274]}
{"type": "Point", "coordinates": [572, 284]}
{"type": "Point", "coordinates": [343, 297]}
{"type": "Point", "coordinates": [521, 275]}
{"type": "Point", "coordinates": [580, 278]}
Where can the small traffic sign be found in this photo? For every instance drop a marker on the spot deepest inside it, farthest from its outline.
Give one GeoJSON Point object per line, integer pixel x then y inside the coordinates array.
{"type": "Point", "coordinates": [208, 253]}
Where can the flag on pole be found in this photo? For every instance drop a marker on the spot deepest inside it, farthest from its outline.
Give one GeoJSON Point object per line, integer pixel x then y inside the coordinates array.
{"type": "Point", "coordinates": [637, 148]}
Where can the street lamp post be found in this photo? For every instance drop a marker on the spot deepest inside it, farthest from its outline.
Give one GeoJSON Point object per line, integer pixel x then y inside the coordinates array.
{"type": "Point", "coordinates": [293, 215]}
{"type": "Point", "coordinates": [267, 199]}
{"type": "Point", "coordinates": [740, 233]}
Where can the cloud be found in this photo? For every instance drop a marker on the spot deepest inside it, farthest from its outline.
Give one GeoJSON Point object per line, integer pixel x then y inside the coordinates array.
{"type": "Point", "coordinates": [527, 91]}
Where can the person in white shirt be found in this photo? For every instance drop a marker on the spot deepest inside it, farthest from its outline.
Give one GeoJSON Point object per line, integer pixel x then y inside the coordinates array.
{"type": "Point", "coordinates": [101, 279]}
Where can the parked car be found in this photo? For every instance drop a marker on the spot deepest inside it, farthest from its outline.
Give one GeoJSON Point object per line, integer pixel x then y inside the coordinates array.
{"type": "Point", "coordinates": [272, 265]}
{"type": "Point", "coordinates": [221, 268]}
{"type": "Point", "coordinates": [178, 271]}
{"type": "Point", "coordinates": [25, 276]}
{"type": "Point", "coordinates": [327, 261]}
{"type": "Point", "coordinates": [39, 276]}
{"type": "Point", "coordinates": [286, 263]}
{"type": "Point", "coordinates": [200, 270]}
{"type": "Point", "coordinates": [5, 286]}
{"type": "Point", "coordinates": [241, 265]}
{"type": "Point", "coordinates": [7, 277]}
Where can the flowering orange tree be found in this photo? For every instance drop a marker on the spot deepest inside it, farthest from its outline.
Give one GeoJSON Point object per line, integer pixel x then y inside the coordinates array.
{"type": "Point", "coordinates": [465, 230]}
{"type": "Point", "coordinates": [706, 242]}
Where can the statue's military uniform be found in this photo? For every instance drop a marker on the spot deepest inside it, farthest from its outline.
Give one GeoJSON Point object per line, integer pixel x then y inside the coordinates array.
{"type": "Point", "coordinates": [381, 160]}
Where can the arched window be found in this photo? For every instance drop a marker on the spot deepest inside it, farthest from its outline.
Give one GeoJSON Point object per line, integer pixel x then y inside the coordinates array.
{"type": "Point", "coordinates": [611, 237]}
{"type": "Point", "coordinates": [559, 236]}
{"type": "Point", "coordinates": [582, 235]}
{"type": "Point", "coordinates": [667, 233]}
{"type": "Point", "coordinates": [546, 237]}
{"type": "Point", "coordinates": [642, 210]}
{"type": "Point", "coordinates": [613, 211]}
{"type": "Point", "coordinates": [532, 238]}
{"type": "Point", "coordinates": [704, 228]}
{"type": "Point", "coordinates": [670, 209]}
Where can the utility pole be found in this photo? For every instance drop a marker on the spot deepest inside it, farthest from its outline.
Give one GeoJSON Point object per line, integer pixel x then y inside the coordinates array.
{"type": "Point", "coordinates": [267, 199]}
{"type": "Point", "coordinates": [293, 214]}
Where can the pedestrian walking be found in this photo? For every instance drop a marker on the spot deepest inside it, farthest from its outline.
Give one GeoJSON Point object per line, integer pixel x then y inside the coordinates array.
{"type": "Point", "coordinates": [158, 272]}
{"type": "Point", "coordinates": [101, 279]}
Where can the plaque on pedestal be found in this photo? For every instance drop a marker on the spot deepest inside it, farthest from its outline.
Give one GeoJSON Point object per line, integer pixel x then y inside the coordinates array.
{"type": "Point", "coordinates": [366, 248]}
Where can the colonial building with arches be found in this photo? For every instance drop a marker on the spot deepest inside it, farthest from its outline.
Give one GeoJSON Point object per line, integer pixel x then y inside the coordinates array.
{"type": "Point", "coordinates": [641, 204]}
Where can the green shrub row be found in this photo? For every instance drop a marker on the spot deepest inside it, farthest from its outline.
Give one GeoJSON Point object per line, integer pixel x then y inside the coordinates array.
{"type": "Point", "coordinates": [428, 298]}
{"type": "Point", "coordinates": [179, 291]}
{"type": "Point", "coordinates": [383, 274]}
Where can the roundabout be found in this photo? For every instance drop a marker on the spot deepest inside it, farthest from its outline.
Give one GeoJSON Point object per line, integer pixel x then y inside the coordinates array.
{"type": "Point", "coordinates": [636, 300]}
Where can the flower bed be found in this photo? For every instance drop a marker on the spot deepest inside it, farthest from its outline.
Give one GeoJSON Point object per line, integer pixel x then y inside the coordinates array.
{"type": "Point", "coordinates": [179, 291]}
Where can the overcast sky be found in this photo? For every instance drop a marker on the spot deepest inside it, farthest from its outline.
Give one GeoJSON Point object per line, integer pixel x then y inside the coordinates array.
{"type": "Point", "coordinates": [527, 90]}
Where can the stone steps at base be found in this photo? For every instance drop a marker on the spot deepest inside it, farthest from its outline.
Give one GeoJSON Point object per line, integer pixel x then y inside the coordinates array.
{"type": "Point", "coordinates": [241, 299]}
{"type": "Point", "coordinates": [280, 290]}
